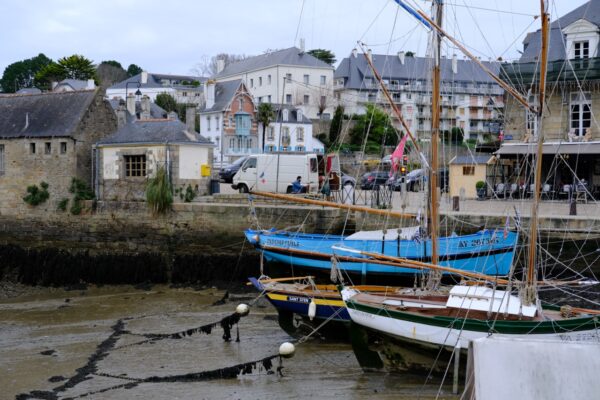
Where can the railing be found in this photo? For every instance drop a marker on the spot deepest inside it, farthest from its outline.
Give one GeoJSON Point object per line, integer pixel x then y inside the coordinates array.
{"type": "Point", "coordinates": [575, 69]}
{"type": "Point", "coordinates": [236, 152]}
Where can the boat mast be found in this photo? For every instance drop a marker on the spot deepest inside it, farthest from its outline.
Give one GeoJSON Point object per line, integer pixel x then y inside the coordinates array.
{"type": "Point", "coordinates": [530, 294]}
{"type": "Point", "coordinates": [434, 218]}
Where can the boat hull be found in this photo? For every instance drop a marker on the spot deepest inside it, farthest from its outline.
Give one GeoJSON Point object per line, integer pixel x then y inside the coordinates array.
{"type": "Point", "coordinates": [488, 252]}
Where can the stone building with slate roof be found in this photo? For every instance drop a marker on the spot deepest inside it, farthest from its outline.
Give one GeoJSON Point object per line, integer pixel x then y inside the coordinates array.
{"type": "Point", "coordinates": [471, 100]}
{"type": "Point", "coordinates": [184, 88]}
{"type": "Point", "coordinates": [149, 138]}
{"type": "Point", "coordinates": [291, 76]}
{"type": "Point", "coordinates": [48, 137]}
{"type": "Point", "coordinates": [572, 101]}
{"type": "Point", "coordinates": [229, 120]}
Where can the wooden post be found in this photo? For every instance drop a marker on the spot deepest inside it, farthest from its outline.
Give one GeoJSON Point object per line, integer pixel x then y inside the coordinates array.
{"type": "Point", "coordinates": [573, 206]}
{"type": "Point", "coordinates": [456, 369]}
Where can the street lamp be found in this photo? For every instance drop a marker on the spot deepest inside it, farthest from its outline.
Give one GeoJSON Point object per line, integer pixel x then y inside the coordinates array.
{"type": "Point", "coordinates": [137, 92]}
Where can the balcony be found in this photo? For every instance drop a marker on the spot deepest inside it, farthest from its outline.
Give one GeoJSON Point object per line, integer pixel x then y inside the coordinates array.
{"type": "Point", "coordinates": [568, 70]}
{"type": "Point", "coordinates": [241, 152]}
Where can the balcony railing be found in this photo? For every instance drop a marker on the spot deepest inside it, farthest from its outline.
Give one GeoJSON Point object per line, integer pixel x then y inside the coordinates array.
{"type": "Point", "coordinates": [576, 69]}
{"type": "Point", "coordinates": [236, 152]}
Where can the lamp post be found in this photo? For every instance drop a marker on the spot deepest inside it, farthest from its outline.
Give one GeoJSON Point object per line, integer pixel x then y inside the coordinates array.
{"type": "Point", "coordinates": [137, 92]}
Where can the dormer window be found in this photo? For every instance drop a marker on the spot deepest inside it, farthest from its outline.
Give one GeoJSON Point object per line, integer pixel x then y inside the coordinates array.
{"type": "Point", "coordinates": [299, 115]}
{"type": "Point", "coordinates": [285, 115]}
{"type": "Point", "coordinates": [581, 49]}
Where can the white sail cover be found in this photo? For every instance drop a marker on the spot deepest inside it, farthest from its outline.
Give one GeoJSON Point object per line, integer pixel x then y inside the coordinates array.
{"type": "Point", "coordinates": [391, 234]}
{"type": "Point", "coordinates": [482, 298]}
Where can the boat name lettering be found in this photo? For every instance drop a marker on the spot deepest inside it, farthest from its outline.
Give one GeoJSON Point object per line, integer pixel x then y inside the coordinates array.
{"type": "Point", "coordinates": [477, 242]}
{"type": "Point", "coordinates": [298, 299]}
{"type": "Point", "coordinates": [580, 337]}
{"type": "Point", "coordinates": [283, 242]}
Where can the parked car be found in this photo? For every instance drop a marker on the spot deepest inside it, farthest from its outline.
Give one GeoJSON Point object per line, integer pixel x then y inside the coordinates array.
{"type": "Point", "coordinates": [348, 180]}
{"type": "Point", "coordinates": [387, 160]}
{"type": "Point", "coordinates": [417, 179]}
{"type": "Point", "coordinates": [374, 178]}
{"type": "Point", "coordinates": [226, 173]}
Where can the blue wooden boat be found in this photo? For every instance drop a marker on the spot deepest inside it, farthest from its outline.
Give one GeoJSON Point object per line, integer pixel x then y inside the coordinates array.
{"type": "Point", "coordinates": [490, 252]}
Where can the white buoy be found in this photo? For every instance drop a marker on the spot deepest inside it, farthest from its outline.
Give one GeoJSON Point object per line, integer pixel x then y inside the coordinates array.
{"type": "Point", "coordinates": [287, 350]}
{"type": "Point", "coordinates": [312, 309]}
{"type": "Point", "coordinates": [242, 309]}
{"type": "Point", "coordinates": [256, 238]}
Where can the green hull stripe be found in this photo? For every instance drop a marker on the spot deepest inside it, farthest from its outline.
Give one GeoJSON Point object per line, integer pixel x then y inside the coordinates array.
{"type": "Point", "coordinates": [499, 326]}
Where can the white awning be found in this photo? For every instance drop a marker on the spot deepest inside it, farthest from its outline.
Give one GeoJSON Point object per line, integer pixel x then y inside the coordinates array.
{"type": "Point", "coordinates": [550, 148]}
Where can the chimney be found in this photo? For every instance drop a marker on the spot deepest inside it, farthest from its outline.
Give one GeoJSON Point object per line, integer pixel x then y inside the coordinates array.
{"type": "Point", "coordinates": [370, 54]}
{"type": "Point", "coordinates": [145, 114]}
{"type": "Point", "coordinates": [354, 52]}
{"type": "Point", "coordinates": [454, 64]}
{"type": "Point", "coordinates": [301, 45]}
{"type": "Point", "coordinates": [401, 56]}
{"type": "Point", "coordinates": [172, 115]}
{"type": "Point", "coordinates": [121, 116]}
{"type": "Point", "coordinates": [220, 65]}
{"type": "Point", "coordinates": [209, 90]}
{"type": "Point", "coordinates": [91, 84]}
{"type": "Point", "coordinates": [190, 119]}
{"type": "Point", "coordinates": [144, 78]}
{"type": "Point", "coordinates": [131, 104]}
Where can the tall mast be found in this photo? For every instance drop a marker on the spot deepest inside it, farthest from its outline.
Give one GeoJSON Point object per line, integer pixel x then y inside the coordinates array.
{"type": "Point", "coordinates": [530, 294]}
{"type": "Point", "coordinates": [434, 218]}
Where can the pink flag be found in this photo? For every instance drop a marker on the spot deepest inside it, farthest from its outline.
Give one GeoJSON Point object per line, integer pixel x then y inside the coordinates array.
{"type": "Point", "coordinates": [397, 154]}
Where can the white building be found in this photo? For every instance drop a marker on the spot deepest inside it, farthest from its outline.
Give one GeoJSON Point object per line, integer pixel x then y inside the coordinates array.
{"type": "Point", "coordinates": [290, 131]}
{"type": "Point", "coordinates": [289, 76]}
{"type": "Point", "coordinates": [471, 100]}
{"type": "Point", "coordinates": [185, 89]}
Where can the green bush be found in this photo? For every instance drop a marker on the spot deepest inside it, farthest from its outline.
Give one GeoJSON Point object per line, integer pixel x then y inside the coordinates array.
{"type": "Point", "coordinates": [159, 193]}
{"type": "Point", "coordinates": [36, 195]}
{"type": "Point", "coordinates": [190, 194]}
{"type": "Point", "coordinates": [479, 185]}
{"type": "Point", "coordinates": [62, 205]}
{"type": "Point", "coordinates": [81, 191]}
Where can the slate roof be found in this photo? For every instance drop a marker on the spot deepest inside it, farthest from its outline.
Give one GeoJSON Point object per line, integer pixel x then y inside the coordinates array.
{"type": "Point", "coordinates": [154, 81]}
{"type": "Point", "coordinates": [29, 91]}
{"type": "Point", "coordinates": [43, 115]}
{"type": "Point", "coordinates": [469, 160]}
{"type": "Point", "coordinates": [292, 56]}
{"type": "Point", "coordinates": [156, 112]}
{"type": "Point", "coordinates": [589, 11]}
{"type": "Point", "coordinates": [355, 69]}
{"type": "Point", "coordinates": [154, 131]}
{"type": "Point", "coordinates": [292, 114]}
{"type": "Point", "coordinates": [76, 84]}
{"type": "Point", "coordinates": [224, 93]}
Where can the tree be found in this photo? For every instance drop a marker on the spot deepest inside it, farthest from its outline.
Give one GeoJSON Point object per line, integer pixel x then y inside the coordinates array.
{"type": "Point", "coordinates": [113, 63]}
{"type": "Point", "coordinates": [109, 73]}
{"type": "Point", "coordinates": [265, 116]}
{"type": "Point", "coordinates": [166, 102]}
{"type": "Point", "coordinates": [208, 66]}
{"type": "Point", "coordinates": [72, 67]}
{"type": "Point", "coordinates": [323, 55]}
{"type": "Point", "coordinates": [375, 126]}
{"type": "Point", "coordinates": [410, 54]}
{"type": "Point", "coordinates": [21, 74]}
{"type": "Point", "coordinates": [336, 124]}
{"type": "Point", "coordinates": [133, 70]}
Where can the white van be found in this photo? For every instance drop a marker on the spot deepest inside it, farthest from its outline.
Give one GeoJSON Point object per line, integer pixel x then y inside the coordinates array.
{"type": "Point", "coordinates": [260, 172]}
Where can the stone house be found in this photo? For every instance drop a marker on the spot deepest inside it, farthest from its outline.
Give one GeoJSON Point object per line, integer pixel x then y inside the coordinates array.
{"type": "Point", "coordinates": [145, 141]}
{"type": "Point", "coordinates": [291, 76]}
{"type": "Point", "coordinates": [295, 129]}
{"type": "Point", "coordinates": [229, 120]}
{"type": "Point", "coordinates": [572, 99]}
{"type": "Point", "coordinates": [48, 137]}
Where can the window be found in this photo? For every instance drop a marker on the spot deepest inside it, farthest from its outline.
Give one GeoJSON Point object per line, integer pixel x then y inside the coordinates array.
{"type": "Point", "coordinates": [285, 136]}
{"type": "Point", "coordinates": [251, 82]}
{"type": "Point", "coordinates": [269, 98]}
{"type": "Point", "coordinates": [32, 148]}
{"type": "Point", "coordinates": [323, 79]}
{"type": "Point", "coordinates": [63, 147]}
{"type": "Point", "coordinates": [250, 163]}
{"type": "Point", "coordinates": [288, 99]}
{"type": "Point", "coordinates": [216, 123]}
{"type": "Point", "coordinates": [135, 165]}
{"type": "Point", "coordinates": [306, 99]}
{"type": "Point", "coordinates": [300, 134]}
{"type": "Point", "coordinates": [249, 143]}
{"type": "Point", "coordinates": [306, 79]}
{"type": "Point", "coordinates": [285, 115]}
{"type": "Point", "coordinates": [582, 49]}
{"type": "Point", "coordinates": [184, 94]}
{"type": "Point", "coordinates": [468, 170]}
{"type": "Point", "coordinates": [241, 103]}
{"type": "Point", "coordinates": [531, 117]}
{"type": "Point", "coordinates": [270, 133]}
{"type": "Point", "coordinates": [269, 81]}
{"type": "Point", "coordinates": [288, 78]}
{"type": "Point", "coordinates": [230, 121]}
{"type": "Point", "coordinates": [1, 159]}
{"type": "Point", "coordinates": [300, 148]}
{"type": "Point", "coordinates": [208, 124]}
{"type": "Point", "coordinates": [313, 164]}
{"type": "Point", "coordinates": [243, 124]}
{"type": "Point", "coordinates": [48, 148]}
{"type": "Point", "coordinates": [232, 143]}
{"type": "Point", "coordinates": [260, 81]}
{"type": "Point", "coordinates": [218, 140]}
{"type": "Point", "coordinates": [581, 114]}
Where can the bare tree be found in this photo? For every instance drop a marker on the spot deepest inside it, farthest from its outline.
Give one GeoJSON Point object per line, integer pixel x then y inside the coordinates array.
{"type": "Point", "coordinates": [207, 66]}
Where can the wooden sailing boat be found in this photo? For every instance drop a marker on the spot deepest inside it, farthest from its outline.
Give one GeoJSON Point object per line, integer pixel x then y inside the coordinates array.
{"type": "Point", "coordinates": [423, 337]}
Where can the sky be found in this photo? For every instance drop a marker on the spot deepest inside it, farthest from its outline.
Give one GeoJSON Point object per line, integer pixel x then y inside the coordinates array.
{"type": "Point", "coordinates": [173, 37]}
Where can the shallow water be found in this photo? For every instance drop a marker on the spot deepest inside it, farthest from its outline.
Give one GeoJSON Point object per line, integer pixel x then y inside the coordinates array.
{"type": "Point", "coordinates": [68, 326]}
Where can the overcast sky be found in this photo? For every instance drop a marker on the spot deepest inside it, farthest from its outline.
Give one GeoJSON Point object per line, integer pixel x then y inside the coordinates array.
{"type": "Point", "coordinates": [173, 36]}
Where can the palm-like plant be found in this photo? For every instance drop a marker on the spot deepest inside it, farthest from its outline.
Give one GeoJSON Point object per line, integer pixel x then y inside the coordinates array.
{"type": "Point", "coordinates": [265, 116]}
